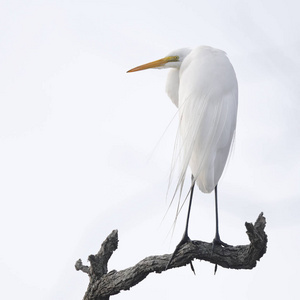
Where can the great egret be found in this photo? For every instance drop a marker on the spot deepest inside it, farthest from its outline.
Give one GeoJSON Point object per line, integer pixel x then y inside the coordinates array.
{"type": "Point", "coordinates": [203, 85]}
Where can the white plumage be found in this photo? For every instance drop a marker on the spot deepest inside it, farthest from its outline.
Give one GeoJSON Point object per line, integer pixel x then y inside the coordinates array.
{"type": "Point", "coordinates": [202, 84]}
{"type": "Point", "coordinates": [205, 90]}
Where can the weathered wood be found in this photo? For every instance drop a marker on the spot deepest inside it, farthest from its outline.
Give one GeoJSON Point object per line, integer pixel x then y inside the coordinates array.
{"type": "Point", "coordinates": [102, 284]}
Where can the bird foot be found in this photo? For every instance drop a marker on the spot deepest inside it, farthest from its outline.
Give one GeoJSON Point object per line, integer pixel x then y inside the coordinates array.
{"type": "Point", "coordinates": [217, 242]}
{"type": "Point", "coordinates": [185, 239]}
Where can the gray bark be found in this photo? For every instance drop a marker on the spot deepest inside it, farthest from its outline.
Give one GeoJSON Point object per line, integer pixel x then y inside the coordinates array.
{"type": "Point", "coordinates": [103, 284]}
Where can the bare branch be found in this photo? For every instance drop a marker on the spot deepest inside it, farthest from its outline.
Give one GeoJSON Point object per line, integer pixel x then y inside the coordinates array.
{"type": "Point", "coordinates": [80, 267]}
{"type": "Point", "coordinates": [103, 284]}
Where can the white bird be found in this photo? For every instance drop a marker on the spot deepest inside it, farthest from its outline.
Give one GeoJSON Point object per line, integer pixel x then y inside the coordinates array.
{"type": "Point", "coordinates": [203, 85]}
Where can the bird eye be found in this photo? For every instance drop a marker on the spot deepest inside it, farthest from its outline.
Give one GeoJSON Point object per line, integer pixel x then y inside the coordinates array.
{"type": "Point", "coordinates": [174, 58]}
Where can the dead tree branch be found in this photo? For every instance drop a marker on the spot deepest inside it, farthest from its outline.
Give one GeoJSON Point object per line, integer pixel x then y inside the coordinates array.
{"type": "Point", "coordinates": [103, 284]}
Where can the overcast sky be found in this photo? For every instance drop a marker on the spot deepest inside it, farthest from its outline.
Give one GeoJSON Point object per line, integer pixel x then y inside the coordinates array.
{"type": "Point", "coordinates": [86, 148]}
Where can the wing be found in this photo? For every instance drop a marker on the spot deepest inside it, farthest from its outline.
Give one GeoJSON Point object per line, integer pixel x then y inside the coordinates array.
{"type": "Point", "coordinates": [208, 100]}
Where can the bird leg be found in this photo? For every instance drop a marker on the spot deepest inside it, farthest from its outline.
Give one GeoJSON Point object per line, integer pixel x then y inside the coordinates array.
{"type": "Point", "coordinates": [217, 240]}
{"type": "Point", "coordinates": [185, 237]}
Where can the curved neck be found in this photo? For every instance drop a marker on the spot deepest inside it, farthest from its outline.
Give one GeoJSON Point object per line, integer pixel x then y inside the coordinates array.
{"type": "Point", "coordinates": [172, 85]}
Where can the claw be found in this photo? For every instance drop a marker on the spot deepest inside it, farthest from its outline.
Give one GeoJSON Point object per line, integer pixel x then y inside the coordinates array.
{"type": "Point", "coordinates": [185, 239]}
{"type": "Point", "coordinates": [217, 241]}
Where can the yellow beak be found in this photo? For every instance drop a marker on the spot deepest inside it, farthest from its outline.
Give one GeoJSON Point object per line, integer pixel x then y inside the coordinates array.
{"type": "Point", "coordinates": [154, 64]}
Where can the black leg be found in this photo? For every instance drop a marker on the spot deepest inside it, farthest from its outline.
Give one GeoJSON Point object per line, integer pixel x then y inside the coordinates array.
{"type": "Point", "coordinates": [217, 240]}
{"type": "Point", "coordinates": [185, 237]}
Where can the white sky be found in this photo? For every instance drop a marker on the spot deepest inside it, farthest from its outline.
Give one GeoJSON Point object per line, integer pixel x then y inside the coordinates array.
{"type": "Point", "coordinates": [81, 155]}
